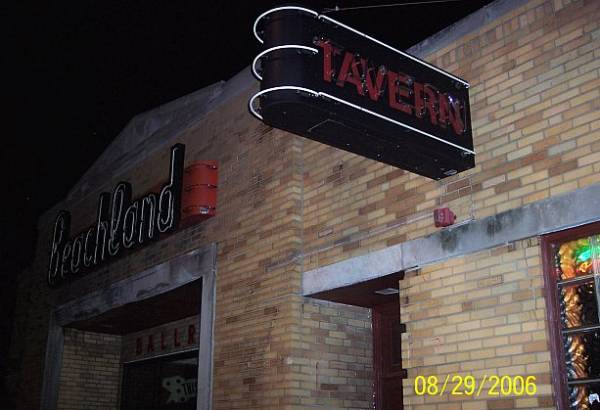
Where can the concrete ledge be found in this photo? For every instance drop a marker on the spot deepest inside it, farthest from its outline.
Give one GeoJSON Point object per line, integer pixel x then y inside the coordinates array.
{"type": "Point", "coordinates": [553, 214]}
{"type": "Point", "coordinates": [151, 282]}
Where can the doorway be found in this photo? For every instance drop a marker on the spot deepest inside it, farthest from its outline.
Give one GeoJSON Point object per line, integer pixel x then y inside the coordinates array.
{"type": "Point", "coordinates": [116, 308]}
{"type": "Point", "coordinates": [381, 295]}
{"type": "Point", "coordinates": [387, 356]}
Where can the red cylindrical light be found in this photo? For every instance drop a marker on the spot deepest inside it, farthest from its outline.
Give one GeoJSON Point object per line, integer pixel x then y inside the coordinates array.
{"type": "Point", "coordinates": [199, 195]}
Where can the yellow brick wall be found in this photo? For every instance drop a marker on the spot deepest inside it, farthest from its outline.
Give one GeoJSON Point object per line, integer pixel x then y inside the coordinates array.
{"type": "Point", "coordinates": [91, 372]}
{"type": "Point", "coordinates": [258, 233]}
{"type": "Point", "coordinates": [535, 95]}
{"type": "Point", "coordinates": [483, 314]}
{"type": "Point", "coordinates": [535, 106]}
{"type": "Point", "coordinates": [333, 359]}
{"type": "Point", "coordinates": [287, 205]}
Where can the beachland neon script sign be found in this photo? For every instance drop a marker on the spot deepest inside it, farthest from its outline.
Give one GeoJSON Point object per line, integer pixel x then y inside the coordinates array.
{"type": "Point", "coordinates": [328, 82]}
{"type": "Point", "coordinates": [121, 224]}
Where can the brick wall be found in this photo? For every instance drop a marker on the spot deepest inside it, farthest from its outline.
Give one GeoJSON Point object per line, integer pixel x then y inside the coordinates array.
{"type": "Point", "coordinates": [333, 361]}
{"type": "Point", "coordinates": [535, 81]}
{"type": "Point", "coordinates": [91, 372]}
{"type": "Point", "coordinates": [287, 205]}
{"type": "Point", "coordinates": [258, 234]}
{"type": "Point", "coordinates": [535, 106]}
{"type": "Point", "coordinates": [483, 314]}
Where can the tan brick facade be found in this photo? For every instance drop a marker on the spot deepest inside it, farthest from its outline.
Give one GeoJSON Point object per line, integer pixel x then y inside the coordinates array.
{"type": "Point", "coordinates": [287, 205]}
{"type": "Point", "coordinates": [535, 101]}
{"type": "Point", "coordinates": [91, 371]}
{"type": "Point", "coordinates": [494, 323]}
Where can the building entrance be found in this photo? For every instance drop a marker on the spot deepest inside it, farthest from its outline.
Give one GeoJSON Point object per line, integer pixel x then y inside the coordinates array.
{"type": "Point", "coordinates": [387, 356]}
{"type": "Point", "coordinates": [381, 296]}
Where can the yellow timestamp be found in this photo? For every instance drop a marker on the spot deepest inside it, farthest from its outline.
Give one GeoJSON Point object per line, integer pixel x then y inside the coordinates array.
{"type": "Point", "coordinates": [492, 385]}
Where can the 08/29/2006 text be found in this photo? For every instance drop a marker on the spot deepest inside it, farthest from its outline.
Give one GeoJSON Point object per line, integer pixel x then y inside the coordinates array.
{"type": "Point", "coordinates": [491, 385]}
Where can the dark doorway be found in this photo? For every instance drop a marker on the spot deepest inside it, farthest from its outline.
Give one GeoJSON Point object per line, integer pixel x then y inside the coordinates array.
{"type": "Point", "coordinates": [166, 383]}
{"type": "Point", "coordinates": [381, 296]}
{"type": "Point", "coordinates": [387, 356]}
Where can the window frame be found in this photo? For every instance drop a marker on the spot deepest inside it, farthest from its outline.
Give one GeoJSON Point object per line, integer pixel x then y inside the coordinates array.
{"type": "Point", "coordinates": [558, 365]}
{"type": "Point", "coordinates": [127, 367]}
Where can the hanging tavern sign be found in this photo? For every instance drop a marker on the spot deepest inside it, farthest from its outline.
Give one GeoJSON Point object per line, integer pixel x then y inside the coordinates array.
{"type": "Point", "coordinates": [121, 224]}
{"type": "Point", "coordinates": [328, 82]}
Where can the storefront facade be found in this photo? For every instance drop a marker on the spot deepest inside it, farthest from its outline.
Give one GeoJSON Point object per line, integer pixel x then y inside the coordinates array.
{"type": "Point", "coordinates": [321, 280]}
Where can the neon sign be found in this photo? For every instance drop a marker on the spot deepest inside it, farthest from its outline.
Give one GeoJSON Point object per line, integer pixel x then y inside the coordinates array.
{"type": "Point", "coordinates": [328, 82]}
{"type": "Point", "coordinates": [121, 224]}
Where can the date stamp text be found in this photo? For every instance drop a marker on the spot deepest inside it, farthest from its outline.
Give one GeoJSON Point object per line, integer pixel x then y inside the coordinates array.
{"type": "Point", "coordinates": [491, 385]}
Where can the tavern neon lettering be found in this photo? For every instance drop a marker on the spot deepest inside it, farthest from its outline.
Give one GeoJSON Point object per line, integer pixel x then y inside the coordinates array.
{"type": "Point", "coordinates": [399, 92]}
{"type": "Point", "coordinates": [374, 87]}
{"type": "Point", "coordinates": [404, 93]}
{"type": "Point", "coordinates": [349, 73]}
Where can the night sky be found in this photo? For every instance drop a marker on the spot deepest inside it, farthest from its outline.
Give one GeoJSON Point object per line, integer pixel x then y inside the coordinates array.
{"type": "Point", "coordinates": [79, 70]}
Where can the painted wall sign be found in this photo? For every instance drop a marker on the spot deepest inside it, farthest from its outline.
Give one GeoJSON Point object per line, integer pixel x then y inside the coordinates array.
{"type": "Point", "coordinates": [164, 341]}
{"type": "Point", "coordinates": [121, 224]}
{"type": "Point", "coordinates": [331, 83]}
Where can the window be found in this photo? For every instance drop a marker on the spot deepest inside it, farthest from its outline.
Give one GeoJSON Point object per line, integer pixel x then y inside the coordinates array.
{"type": "Point", "coordinates": [168, 383]}
{"type": "Point", "coordinates": [572, 274]}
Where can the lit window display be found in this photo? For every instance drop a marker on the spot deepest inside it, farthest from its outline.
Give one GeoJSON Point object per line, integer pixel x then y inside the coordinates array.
{"type": "Point", "coordinates": [577, 274]}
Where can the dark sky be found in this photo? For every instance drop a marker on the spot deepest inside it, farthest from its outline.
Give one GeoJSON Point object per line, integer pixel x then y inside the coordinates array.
{"type": "Point", "coordinates": [79, 70]}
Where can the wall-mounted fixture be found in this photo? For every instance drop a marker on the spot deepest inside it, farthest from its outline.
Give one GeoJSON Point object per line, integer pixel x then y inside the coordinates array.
{"type": "Point", "coordinates": [443, 217]}
{"type": "Point", "coordinates": [199, 194]}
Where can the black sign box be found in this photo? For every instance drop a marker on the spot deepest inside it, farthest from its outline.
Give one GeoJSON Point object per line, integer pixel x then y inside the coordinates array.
{"type": "Point", "coordinates": [328, 82]}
